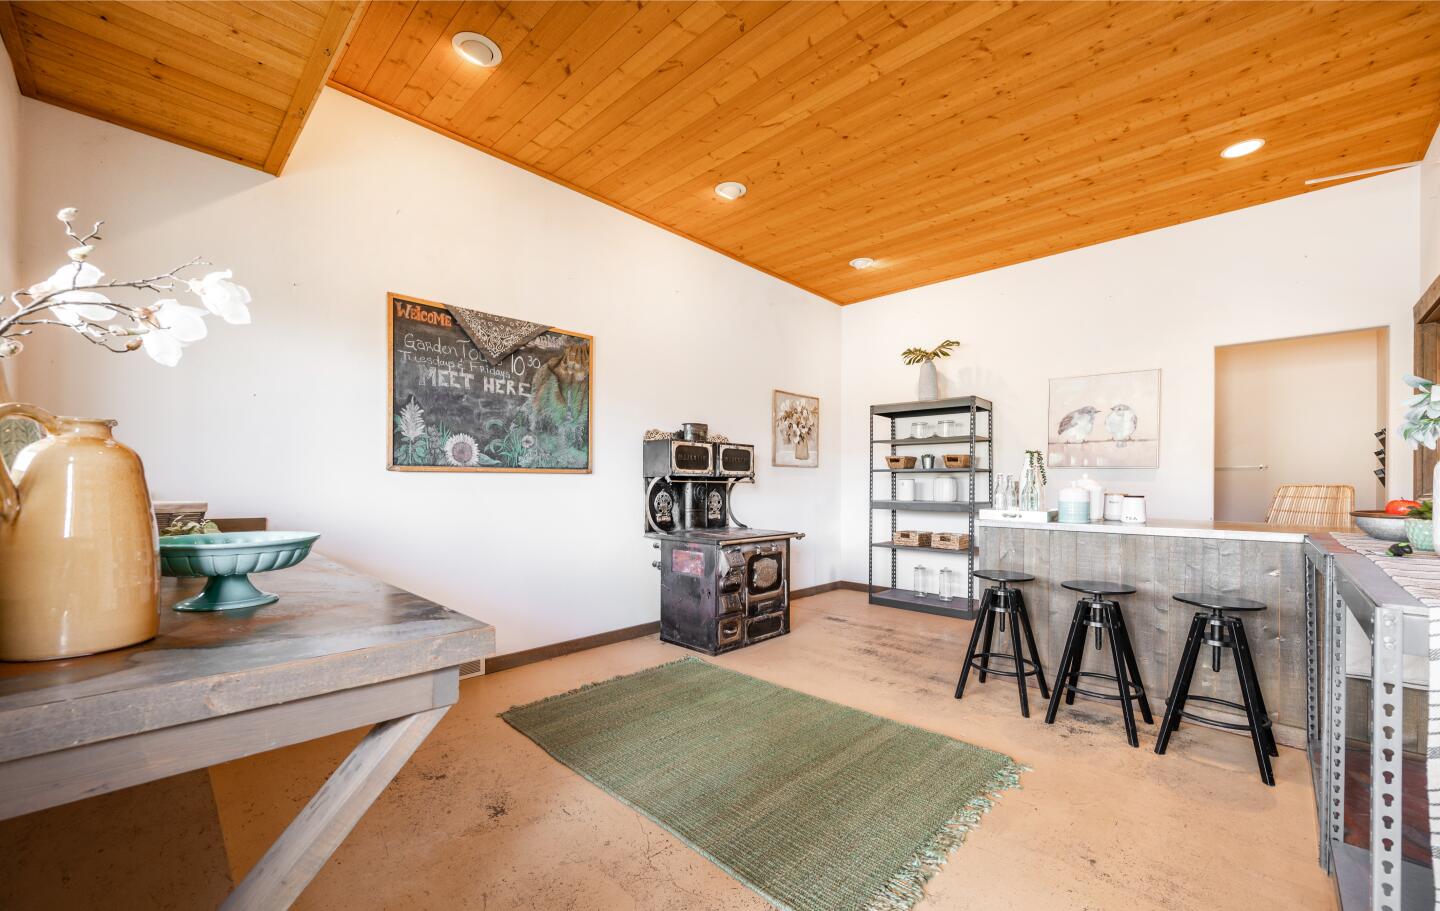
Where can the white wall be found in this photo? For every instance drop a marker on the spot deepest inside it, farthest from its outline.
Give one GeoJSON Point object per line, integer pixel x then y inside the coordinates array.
{"type": "Point", "coordinates": [1332, 260]}
{"type": "Point", "coordinates": [288, 417]}
{"type": "Point", "coordinates": [9, 188]}
{"type": "Point", "coordinates": [1430, 214]}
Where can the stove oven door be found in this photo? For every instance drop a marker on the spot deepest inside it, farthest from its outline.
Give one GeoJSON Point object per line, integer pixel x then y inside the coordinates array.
{"type": "Point", "coordinates": [765, 577]}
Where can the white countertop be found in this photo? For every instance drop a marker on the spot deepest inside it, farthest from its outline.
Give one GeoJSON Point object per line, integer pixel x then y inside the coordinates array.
{"type": "Point", "coordinates": [1167, 528]}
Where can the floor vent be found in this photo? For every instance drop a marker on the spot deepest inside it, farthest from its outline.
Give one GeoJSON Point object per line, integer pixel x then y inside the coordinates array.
{"type": "Point", "coordinates": [472, 668]}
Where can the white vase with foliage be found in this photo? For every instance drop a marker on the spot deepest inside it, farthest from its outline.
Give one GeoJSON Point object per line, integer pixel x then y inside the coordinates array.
{"type": "Point", "coordinates": [929, 389]}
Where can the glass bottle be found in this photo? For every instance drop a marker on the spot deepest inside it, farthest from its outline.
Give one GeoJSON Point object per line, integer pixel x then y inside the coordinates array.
{"type": "Point", "coordinates": [920, 573]}
{"type": "Point", "coordinates": [1002, 492]}
{"type": "Point", "coordinates": [1032, 491]}
{"type": "Point", "coordinates": [945, 590]}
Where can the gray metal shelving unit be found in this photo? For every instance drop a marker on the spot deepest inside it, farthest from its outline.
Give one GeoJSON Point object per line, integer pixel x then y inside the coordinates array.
{"type": "Point", "coordinates": [1356, 724]}
{"type": "Point", "coordinates": [977, 441]}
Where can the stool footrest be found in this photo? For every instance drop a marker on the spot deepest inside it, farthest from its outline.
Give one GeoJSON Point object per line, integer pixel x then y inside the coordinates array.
{"type": "Point", "coordinates": [1030, 668]}
{"type": "Point", "coordinates": [1215, 722]}
{"type": "Point", "coordinates": [1136, 691]}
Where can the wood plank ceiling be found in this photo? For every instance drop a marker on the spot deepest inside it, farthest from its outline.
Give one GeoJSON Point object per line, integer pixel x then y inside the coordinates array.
{"type": "Point", "coordinates": [941, 139]}
{"type": "Point", "coordinates": [234, 79]}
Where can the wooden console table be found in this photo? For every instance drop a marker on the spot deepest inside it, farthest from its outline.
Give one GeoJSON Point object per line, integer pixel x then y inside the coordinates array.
{"type": "Point", "coordinates": [337, 652]}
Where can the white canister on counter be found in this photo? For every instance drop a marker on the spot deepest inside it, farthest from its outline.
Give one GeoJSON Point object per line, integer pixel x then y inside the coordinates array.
{"type": "Point", "coordinates": [1132, 510]}
{"type": "Point", "coordinates": [1097, 496]}
{"type": "Point", "coordinates": [1074, 504]}
{"type": "Point", "coordinates": [946, 490]}
{"type": "Point", "coordinates": [1114, 505]}
{"type": "Point", "coordinates": [905, 489]}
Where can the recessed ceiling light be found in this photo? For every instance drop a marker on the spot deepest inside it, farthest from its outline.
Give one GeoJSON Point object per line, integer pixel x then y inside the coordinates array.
{"type": "Point", "coordinates": [1242, 148]}
{"type": "Point", "coordinates": [476, 48]}
{"type": "Point", "coordinates": [730, 189]}
{"type": "Point", "coordinates": [863, 262]}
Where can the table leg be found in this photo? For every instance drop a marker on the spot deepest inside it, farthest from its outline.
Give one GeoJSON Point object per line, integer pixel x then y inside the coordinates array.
{"type": "Point", "coordinates": [302, 849]}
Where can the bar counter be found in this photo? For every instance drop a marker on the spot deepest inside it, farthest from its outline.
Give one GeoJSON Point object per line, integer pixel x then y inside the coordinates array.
{"type": "Point", "coordinates": [1163, 558]}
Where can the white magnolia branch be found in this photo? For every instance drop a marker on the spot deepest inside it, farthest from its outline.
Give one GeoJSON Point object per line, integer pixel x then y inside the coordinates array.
{"type": "Point", "coordinates": [75, 293]}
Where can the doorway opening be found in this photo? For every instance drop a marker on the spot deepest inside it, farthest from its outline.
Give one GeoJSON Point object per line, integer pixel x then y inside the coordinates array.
{"type": "Point", "coordinates": [1300, 411]}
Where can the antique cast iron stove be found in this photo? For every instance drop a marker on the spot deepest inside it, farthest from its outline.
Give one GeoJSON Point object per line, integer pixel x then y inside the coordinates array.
{"type": "Point", "coordinates": [723, 585]}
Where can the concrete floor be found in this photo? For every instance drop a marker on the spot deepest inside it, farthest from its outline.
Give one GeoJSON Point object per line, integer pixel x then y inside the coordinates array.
{"type": "Point", "coordinates": [482, 819]}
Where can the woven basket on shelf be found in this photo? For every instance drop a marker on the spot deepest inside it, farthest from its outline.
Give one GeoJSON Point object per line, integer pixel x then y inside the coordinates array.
{"type": "Point", "coordinates": [957, 460]}
{"type": "Point", "coordinates": [950, 541]}
{"type": "Point", "coordinates": [900, 461]}
{"type": "Point", "coordinates": [911, 539]}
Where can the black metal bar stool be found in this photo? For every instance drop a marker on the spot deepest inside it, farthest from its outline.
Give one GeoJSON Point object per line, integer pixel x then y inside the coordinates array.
{"type": "Point", "coordinates": [1105, 616]}
{"type": "Point", "coordinates": [1214, 628]}
{"type": "Point", "coordinates": [998, 602]}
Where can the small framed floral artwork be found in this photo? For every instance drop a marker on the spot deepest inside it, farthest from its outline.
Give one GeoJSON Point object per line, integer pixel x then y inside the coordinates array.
{"type": "Point", "coordinates": [795, 425]}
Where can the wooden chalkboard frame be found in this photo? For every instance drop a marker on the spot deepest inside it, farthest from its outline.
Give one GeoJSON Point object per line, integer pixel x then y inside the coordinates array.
{"type": "Point", "coordinates": [390, 465]}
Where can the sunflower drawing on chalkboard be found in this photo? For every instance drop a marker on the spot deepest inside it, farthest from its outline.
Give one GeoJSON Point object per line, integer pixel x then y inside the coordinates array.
{"type": "Point", "coordinates": [460, 450]}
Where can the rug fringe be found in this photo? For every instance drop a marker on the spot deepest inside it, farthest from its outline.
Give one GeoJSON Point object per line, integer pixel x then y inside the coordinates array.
{"type": "Point", "coordinates": [906, 887]}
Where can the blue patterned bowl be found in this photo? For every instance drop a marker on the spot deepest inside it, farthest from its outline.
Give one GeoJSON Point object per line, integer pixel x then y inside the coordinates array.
{"type": "Point", "coordinates": [227, 559]}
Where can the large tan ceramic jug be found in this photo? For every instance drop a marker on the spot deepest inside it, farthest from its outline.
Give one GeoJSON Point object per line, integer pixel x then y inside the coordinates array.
{"type": "Point", "coordinates": [79, 556]}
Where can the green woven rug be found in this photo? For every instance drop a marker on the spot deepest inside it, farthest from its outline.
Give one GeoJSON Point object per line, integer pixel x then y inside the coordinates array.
{"type": "Point", "coordinates": [815, 806]}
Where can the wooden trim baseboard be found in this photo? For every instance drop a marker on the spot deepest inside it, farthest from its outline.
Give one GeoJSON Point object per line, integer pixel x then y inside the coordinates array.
{"type": "Point", "coordinates": [837, 585]}
{"type": "Point", "coordinates": [556, 649]}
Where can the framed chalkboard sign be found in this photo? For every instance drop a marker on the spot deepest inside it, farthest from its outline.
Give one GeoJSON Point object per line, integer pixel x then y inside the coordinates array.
{"type": "Point", "coordinates": [470, 391]}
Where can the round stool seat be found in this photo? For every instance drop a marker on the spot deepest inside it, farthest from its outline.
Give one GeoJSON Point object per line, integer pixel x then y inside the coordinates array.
{"type": "Point", "coordinates": [1002, 575]}
{"type": "Point", "coordinates": [1098, 588]}
{"type": "Point", "coordinates": [1219, 602]}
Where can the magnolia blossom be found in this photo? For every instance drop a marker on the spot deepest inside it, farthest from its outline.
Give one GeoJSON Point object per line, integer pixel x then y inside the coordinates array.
{"type": "Point", "coordinates": [78, 254]}
{"type": "Point", "coordinates": [222, 297]}
{"type": "Point", "coordinates": [67, 214]}
{"type": "Point", "coordinates": [78, 304]}
{"type": "Point", "coordinates": [172, 326]}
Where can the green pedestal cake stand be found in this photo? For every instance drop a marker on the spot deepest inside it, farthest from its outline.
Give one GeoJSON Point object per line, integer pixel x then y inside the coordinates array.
{"type": "Point", "coordinates": [227, 561]}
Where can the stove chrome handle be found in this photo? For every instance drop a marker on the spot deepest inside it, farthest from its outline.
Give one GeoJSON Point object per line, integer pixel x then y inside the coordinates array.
{"type": "Point", "coordinates": [729, 512]}
{"type": "Point", "coordinates": [650, 498]}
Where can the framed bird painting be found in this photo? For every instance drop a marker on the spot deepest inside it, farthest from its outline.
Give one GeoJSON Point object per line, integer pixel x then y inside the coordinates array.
{"type": "Point", "coordinates": [1111, 420]}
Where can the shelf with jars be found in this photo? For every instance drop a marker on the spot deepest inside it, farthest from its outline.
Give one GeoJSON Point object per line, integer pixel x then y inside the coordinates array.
{"type": "Point", "coordinates": [949, 483]}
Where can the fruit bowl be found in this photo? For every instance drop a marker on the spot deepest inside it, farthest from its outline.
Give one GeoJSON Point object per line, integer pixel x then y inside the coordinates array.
{"type": "Point", "coordinates": [227, 559]}
{"type": "Point", "coordinates": [1380, 525]}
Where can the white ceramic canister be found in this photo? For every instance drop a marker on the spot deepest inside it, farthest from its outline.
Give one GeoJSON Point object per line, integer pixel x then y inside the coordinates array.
{"type": "Point", "coordinates": [946, 490]}
{"type": "Point", "coordinates": [1097, 496]}
{"type": "Point", "coordinates": [905, 489]}
{"type": "Point", "coordinates": [1113, 504]}
{"type": "Point", "coordinates": [1132, 510]}
{"type": "Point", "coordinates": [1074, 504]}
